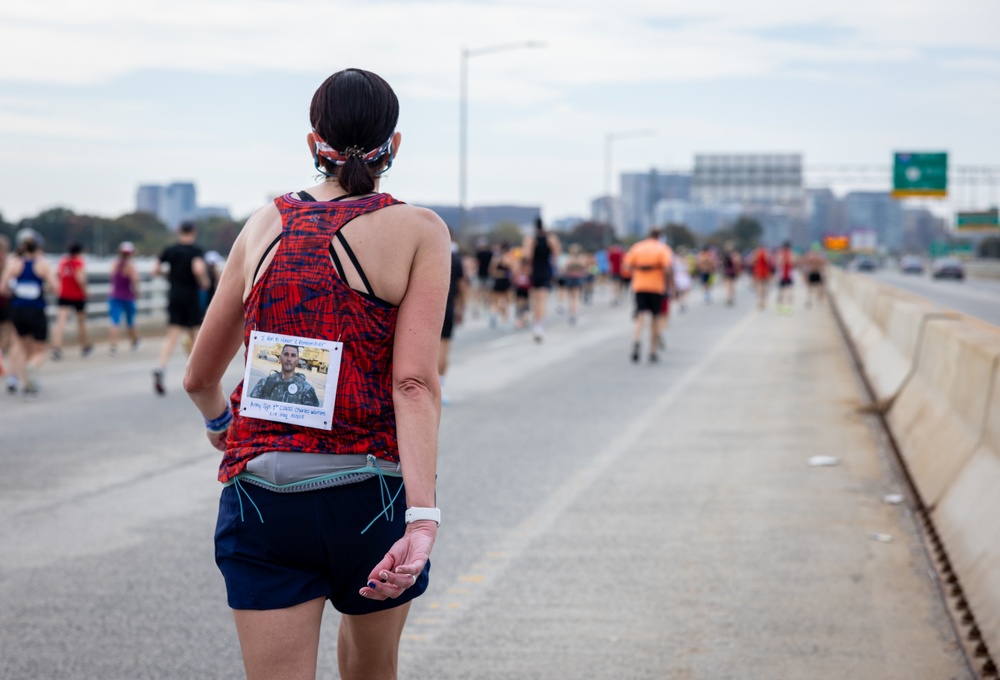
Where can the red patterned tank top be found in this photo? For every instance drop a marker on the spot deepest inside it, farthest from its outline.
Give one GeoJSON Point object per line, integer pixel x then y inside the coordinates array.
{"type": "Point", "coordinates": [300, 294]}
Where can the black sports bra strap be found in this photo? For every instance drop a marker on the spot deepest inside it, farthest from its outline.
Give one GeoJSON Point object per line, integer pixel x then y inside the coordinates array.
{"type": "Point", "coordinates": [267, 250]}
{"type": "Point", "coordinates": [306, 196]}
{"type": "Point", "coordinates": [354, 261]}
{"type": "Point", "coordinates": [336, 263]}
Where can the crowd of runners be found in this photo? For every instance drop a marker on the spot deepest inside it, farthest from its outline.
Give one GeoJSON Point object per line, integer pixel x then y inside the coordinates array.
{"type": "Point", "coordinates": [512, 283]}
{"type": "Point", "coordinates": [28, 280]}
{"type": "Point", "coordinates": [516, 286]}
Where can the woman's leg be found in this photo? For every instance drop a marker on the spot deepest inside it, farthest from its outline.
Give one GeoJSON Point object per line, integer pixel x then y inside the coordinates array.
{"type": "Point", "coordinates": [62, 315]}
{"type": "Point", "coordinates": [368, 645]}
{"type": "Point", "coordinates": [81, 324]}
{"type": "Point", "coordinates": [280, 644]}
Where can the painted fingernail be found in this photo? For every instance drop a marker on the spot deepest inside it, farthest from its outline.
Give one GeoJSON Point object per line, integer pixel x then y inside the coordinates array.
{"type": "Point", "coordinates": [384, 576]}
{"type": "Point", "coordinates": [372, 585]}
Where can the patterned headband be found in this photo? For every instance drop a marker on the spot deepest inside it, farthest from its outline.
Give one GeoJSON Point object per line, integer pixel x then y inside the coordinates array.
{"type": "Point", "coordinates": [340, 157]}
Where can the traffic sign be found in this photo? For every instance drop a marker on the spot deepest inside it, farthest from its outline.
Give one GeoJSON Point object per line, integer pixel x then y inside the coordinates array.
{"type": "Point", "coordinates": [836, 242]}
{"type": "Point", "coordinates": [982, 220]}
{"type": "Point", "coordinates": [920, 174]}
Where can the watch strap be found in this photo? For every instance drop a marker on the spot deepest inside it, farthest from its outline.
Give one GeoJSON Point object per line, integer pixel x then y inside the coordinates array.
{"type": "Point", "coordinates": [416, 514]}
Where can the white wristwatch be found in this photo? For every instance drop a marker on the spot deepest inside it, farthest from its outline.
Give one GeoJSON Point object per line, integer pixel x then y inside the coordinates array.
{"type": "Point", "coordinates": [416, 514]}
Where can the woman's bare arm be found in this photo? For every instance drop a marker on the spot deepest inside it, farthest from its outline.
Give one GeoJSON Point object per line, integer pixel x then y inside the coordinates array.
{"type": "Point", "coordinates": [218, 341]}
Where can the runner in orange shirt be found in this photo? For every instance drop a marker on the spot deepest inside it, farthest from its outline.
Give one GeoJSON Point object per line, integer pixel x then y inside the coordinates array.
{"type": "Point", "coordinates": [649, 262]}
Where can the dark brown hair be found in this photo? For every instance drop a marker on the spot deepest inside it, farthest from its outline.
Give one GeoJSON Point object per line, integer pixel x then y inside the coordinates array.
{"type": "Point", "coordinates": [354, 108]}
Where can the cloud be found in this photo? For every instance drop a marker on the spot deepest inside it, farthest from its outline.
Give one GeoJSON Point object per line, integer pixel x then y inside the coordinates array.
{"type": "Point", "coordinates": [64, 41]}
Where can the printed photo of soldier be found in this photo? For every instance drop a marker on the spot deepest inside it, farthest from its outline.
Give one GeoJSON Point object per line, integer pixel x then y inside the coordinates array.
{"type": "Point", "coordinates": [288, 384]}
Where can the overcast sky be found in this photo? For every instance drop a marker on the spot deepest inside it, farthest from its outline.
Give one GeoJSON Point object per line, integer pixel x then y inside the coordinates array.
{"type": "Point", "coordinates": [98, 97]}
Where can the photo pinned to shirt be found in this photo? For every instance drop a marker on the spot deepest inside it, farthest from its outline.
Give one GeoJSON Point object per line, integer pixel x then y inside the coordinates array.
{"type": "Point", "coordinates": [290, 379]}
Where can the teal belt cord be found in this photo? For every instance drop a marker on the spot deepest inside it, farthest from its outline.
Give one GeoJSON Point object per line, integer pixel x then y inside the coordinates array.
{"type": "Point", "coordinates": [240, 489]}
{"type": "Point", "coordinates": [387, 508]}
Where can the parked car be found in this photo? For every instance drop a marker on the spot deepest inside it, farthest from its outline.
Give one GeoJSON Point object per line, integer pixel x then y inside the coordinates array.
{"type": "Point", "coordinates": [948, 268]}
{"type": "Point", "coordinates": [911, 264]}
{"type": "Point", "coordinates": [865, 263]}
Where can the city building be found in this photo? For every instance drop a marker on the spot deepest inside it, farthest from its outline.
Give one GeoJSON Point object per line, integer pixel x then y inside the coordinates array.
{"type": "Point", "coordinates": [174, 203]}
{"type": "Point", "coordinates": [921, 228]}
{"type": "Point", "coordinates": [826, 214]}
{"type": "Point", "coordinates": [875, 211]}
{"type": "Point", "coordinates": [701, 219]}
{"type": "Point", "coordinates": [149, 199]}
{"type": "Point", "coordinates": [640, 194]}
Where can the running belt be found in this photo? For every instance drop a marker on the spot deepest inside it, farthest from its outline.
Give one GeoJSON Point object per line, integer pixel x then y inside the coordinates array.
{"type": "Point", "coordinates": [288, 472]}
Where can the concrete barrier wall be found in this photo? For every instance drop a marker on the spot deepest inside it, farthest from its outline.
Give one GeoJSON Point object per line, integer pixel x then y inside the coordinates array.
{"type": "Point", "coordinates": [968, 521]}
{"type": "Point", "coordinates": [983, 269]}
{"type": "Point", "coordinates": [886, 326]}
{"type": "Point", "coordinates": [938, 373]}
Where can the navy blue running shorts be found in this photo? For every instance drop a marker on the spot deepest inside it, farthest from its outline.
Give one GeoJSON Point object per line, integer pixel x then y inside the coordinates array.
{"type": "Point", "coordinates": [309, 545]}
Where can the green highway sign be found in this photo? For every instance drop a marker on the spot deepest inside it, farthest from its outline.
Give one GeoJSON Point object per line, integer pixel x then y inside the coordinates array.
{"type": "Point", "coordinates": [943, 249]}
{"type": "Point", "coordinates": [983, 220]}
{"type": "Point", "coordinates": [920, 174]}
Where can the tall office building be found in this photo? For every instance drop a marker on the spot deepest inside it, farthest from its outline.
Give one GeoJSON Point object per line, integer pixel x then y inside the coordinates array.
{"type": "Point", "coordinates": [826, 214]}
{"type": "Point", "coordinates": [875, 211]}
{"type": "Point", "coordinates": [149, 199]}
{"type": "Point", "coordinates": [640, 194]}
{"type": "Point", "coordinates": [180, 204]}
{"type": "Point", "coordinates": [172, 204]}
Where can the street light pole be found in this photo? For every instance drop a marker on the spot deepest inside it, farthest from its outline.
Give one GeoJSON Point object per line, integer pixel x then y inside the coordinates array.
{"type": "Point", "coordinates": [463, 117]}
{"type": "Point", "coordinates": [609, 140]}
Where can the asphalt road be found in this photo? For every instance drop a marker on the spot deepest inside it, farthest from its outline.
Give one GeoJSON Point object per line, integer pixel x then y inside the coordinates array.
{"type": "Point", "coordinates": [600, 519]}
{"type": "Point", "coordinates": [979, 298]}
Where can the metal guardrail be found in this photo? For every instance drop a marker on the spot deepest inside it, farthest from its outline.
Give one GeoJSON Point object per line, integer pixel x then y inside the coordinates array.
{"type": "Point", "coordinates": [151, 300]}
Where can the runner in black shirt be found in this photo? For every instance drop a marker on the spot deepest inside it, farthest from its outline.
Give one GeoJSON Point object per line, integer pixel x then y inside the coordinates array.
{"type": "Point", "coordinates": [187, 277]}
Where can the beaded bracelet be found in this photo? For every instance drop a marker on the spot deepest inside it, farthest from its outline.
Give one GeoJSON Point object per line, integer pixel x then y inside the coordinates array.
{"type": "Point", "coordinates": [220, 424]}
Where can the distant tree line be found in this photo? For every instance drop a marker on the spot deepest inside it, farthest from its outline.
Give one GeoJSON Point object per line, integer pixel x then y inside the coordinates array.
{"type": "Point", "coordinates": [101, 235]}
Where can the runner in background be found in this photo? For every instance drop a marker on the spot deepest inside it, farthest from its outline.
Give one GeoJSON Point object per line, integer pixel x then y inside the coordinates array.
{"type": "Point", "coordinates": [540, 249]}
{"type": "Point", "coordinates": [187, 277]}
{"type": "Point", "coordinates": [454, 311]}
{"type": "Point", "coordinates": [707, 266]}
{"type": "Point", "coordinates": [618, 282]}
{"type": "Point", "coordinates": [28, 276]}
{"type": "Point", "coordinates": [522, 293]}
{"type": "Point", "coordinates": [574, 277]}
{"type": "Point", "coordinates": [813, 265]}
{"type": "Point", "coordinates": [682, 277]}
{"type": "Point", "coordinates": [502, 273]}
{"type": "Point", "coordinates": [732, 266]}
{"type": "Point", "coordinates": [6, 329]}
{"type": "Point", "coordinates": [121, 302]}
{"type": "Point", "coordinates": [72, 297]}
{"type": "Point", "coordinates": [786, 267]}
{"type": "Point", "coordinates": [763, 269]}
{"type": "Point", "coordinates": [484, 289]}
{"type": "Point", "coordinates": [649, 262]}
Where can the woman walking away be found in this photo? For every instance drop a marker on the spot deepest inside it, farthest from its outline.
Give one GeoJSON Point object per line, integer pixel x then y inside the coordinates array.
{"type": "Point", "coordinates": [575, 275]}
{"type": "Point", "coordinates": [541, 250]}
{"type": "Point", "coordinates": [121, 303]}
{"type": "Point", "coordinates": [28, 275]}
{"type": "Point", "coordinates": [763, 269]}
{"type": "Point", "coordinates": [72, 298]}
{"type": "Point", "coordinates": [341, 508]}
